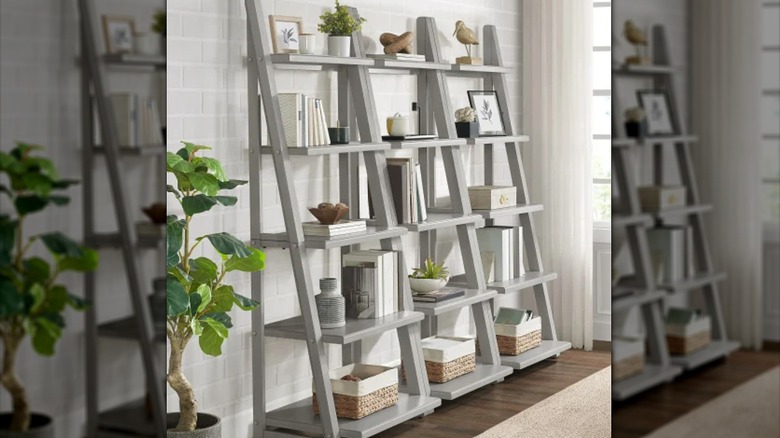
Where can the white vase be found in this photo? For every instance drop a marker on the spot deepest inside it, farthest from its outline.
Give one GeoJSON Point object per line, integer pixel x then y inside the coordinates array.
{"type": "Point", "coordinates": [425, 285]}
{"type": "Point", "coordinates": [339, 45]}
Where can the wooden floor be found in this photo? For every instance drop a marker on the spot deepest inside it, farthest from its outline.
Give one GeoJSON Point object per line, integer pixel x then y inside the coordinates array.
{"type": "Point", "coordinates": [648, 411]}
{"type": "Point", "coordinates": [482, 409]}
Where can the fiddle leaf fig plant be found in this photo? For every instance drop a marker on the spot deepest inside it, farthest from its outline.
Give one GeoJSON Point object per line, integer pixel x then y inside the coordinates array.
{"type": "Point", "coordinates": [199, 298]}
{"type": "Point", "coordinates": [32, 302]}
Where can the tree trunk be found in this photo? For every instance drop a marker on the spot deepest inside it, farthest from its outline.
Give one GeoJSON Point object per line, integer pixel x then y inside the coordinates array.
{"type": "Point", "coordinates": [11, 382]}
{"type": "Point", "coordinates": [188, 406]}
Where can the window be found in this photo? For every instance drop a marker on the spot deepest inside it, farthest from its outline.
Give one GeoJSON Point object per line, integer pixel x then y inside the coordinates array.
{"type": "Point", "coordinates": [770, 124]}
{"type": "Point", "coordinates": [602, 113]}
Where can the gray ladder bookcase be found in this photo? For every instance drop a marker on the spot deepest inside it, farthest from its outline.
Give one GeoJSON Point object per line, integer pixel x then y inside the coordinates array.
{"type": "Point", "coordinates": [493, 75]}
{"type": "Point", "coordinates": [642, 290]}
{"type": "Point", "coordinates": [299, 417]}
{"type": "Point", "coordinates": [130, 419]}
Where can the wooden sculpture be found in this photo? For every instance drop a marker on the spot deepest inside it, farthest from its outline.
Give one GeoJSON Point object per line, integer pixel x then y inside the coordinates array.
{"type": "Point", "coordinates": [467, 37]}
{"type": "Point", "coordinates": [638, 39]}
{"type": "Point", "coordinates": [397, 43]}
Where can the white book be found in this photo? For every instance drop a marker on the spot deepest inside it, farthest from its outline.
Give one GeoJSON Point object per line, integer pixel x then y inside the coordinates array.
{"type": "Point", "coordinates": [122, 104]}
{"type": "Point", "coordinates": [323, 123]}
{"type": "Point", "coordinates": [310, 141]}
{"type": "Point", "coordinates": [304, 122]}
{"type": "Point", "coordinates": [290, 107]}
{"type": "Point", "coordinates": [421, 208]}
{"type": "Point", "coordinates": [389, 279]}
{"type": "Point", "coordinates": [500, 241]}
{"type": "Point", "coordinates": [519, 269]}
{"type": "Point", "coordinates": [667, 250]}
{"type": "Point", "coordinates": [372, 260]}
{"type": "Point", "coordinates": [489, 265]}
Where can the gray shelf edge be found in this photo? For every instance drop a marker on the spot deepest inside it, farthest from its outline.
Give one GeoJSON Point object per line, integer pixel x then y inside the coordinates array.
{"type": "Point", "coordinates": [452, 221]}
{"type": "Point", "coordinates": [293, 328]}
{"type": "Point", "coordinates": [548, 349]}
{"type": "Point", "coordinates": [433, 309]}
{"type": "Point", "coordinates": [332, 149]}
{"type": "Point", "coordinates": [653, 375]}
{"type": "Point", "coordinates": [482, 376]}
{"type": "Point", "coordinates": [716, 350]}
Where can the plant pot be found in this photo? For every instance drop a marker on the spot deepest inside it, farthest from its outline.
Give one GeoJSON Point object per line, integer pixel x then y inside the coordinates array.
{"type": "Point", "coordinates": [148, 44]}
{"type": "Point", "coordinates": [425, 285]}
{"type": "Point", "coordinates": [41, 426]}
{"type": "Point", "coordinates": [636, 129]}
{"type": "Point", "coordinates": [339, 45]}
{"type": "Point", "coordinates": [208, 426]}
{"type": "Point", "coordinates": [339, 135]}
{"type": "Point", "coordinates": [467, 129]}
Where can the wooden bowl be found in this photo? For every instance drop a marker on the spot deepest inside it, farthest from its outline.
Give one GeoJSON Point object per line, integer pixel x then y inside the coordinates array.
{"type": "Point", "coordinates": [329, 216]}
{"type": "Point", "coordinates": [156, 212]}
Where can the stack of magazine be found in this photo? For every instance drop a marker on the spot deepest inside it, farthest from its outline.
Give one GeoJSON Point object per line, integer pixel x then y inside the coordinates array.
{"type": "Point", "coordinates": [438, 295]}
{"type": "Point", "coordinates": [398, 56]}
{"type": "Point", "coordinates": [339, 228]}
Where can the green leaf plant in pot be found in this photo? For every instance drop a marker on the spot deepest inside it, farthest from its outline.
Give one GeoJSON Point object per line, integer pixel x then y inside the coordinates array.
{"type": "Point", "coordinates": [339, 25]}
{"type": "Point", "coordinates": [198, 297]}
{"type": "Point", "coordinates": [32, 302]}
{"type": "Point", "coordinates": [430, 277]}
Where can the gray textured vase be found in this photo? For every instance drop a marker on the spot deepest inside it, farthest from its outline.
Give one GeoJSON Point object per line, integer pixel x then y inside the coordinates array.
{"type": "Point", "coordinates": [40, 427]}
{"type": "Point", "coordinates": [330, 304]}
{"type": "Point", "coordinates": [208, 426]}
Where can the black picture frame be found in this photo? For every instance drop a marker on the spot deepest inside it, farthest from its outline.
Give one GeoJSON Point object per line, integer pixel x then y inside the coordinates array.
{"type": "Point", "coordinates": [489, 113]}
{"type": "Point", "coordinates": [658, 112]}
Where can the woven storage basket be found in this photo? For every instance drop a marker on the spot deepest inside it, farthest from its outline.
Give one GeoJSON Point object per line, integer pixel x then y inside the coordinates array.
{"type": "Point", "coordinates": [377, 389]}
{"type": "Point", "coordinates": [628, 357]}
{"type": "Point", "coordinates": [628, 367]}
{"type": "Point", "coordinates": [683, 340]}
{"type": "Point", "coordinates": [515, 339]}
{"type": "Point", "coordinates": [447, 358]}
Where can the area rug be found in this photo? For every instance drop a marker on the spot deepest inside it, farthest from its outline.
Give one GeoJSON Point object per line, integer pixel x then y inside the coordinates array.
{"type": "Point", "coordinates": [582, 410]}
{"type": "Point", "coordinates": [751, 409]}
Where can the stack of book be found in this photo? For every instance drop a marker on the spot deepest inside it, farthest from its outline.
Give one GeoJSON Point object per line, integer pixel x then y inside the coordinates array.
{"type": "Point", "coordinates": [438, 295]}
{"type": "Point", "coordinates": [338, 229]}
{"type": "Point", "coordinates": [137, 120]}
{"type": "Point", "coordinates": [398, 56]}
{"type": "Point", "coordinates": [407, 190]}
{"type": "Point", "coordinates": [501, 248]}
{"type": "Point", "coordinates": [369, 282]}
{"type": "Point", "coordinates": [303, 120]}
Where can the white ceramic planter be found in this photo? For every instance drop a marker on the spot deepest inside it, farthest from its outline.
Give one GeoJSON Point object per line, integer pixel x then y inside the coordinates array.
{"type": "Point", "coordinates": [425, 285]}
{"type": "Point", "coordinates": [339, 45]}
{"type": "Point", "coordinates": [148, 44]}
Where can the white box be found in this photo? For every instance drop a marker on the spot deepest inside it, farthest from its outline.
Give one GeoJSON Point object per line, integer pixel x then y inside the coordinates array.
{"type": "Point", "coordinates": [659, 198]}
{"type": "Point", "coordinates": [700, 325]}
{"type": "Point", "coordinates": [373, 378]}
{"type": "Point", "coordinates": [529, 326]}
{"type": "Point", "coordinates": [492, 197]}
{"type": "Point", "coordinates": [443, 349]}
{"type": "Point", "coordinates": [624, 348]}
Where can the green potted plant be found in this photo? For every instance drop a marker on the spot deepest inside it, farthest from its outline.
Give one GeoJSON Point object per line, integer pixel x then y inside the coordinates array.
{"type": "Point", "coordinates": [199, 298]}
{"type": "Point", "coordinates": [339, 25]}
{"type": "Point", "coordinates": [159, 24]}
{"type": "Point", "coordinates": [428, 278]}
{"type": "Point", "coordinates": [32, 302]}
{"type": "Point", "coordinates": [152, 43]}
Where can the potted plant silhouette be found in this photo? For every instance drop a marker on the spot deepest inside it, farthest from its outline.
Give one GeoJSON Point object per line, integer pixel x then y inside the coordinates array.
{"type": "Point", "coordinates": [339, 25]}
{"type": "Point", "coordinates": [428, 278]}
{"type": "Point", "coordinates": [199, 299]}
{"type": "Point", "coordinates": [32, 302]}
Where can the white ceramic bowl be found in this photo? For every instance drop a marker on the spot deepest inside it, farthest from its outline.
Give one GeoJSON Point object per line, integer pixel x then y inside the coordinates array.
{"type": "Point", "coordinates": [425, 285]}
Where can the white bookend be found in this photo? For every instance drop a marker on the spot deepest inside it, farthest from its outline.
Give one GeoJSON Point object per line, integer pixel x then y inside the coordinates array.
{"type": "Point", "coordinates": [304, 121]}
{"type": "Point", "coordinates": [289, 105]}
{"type": "Point", "coordinates": [667, 249]}
{"type": "Point", "coordinates": [500, 241]}
{"type": "Point", "coordinates": [324, 124]}
{"type": "Point", "coordinates": [389, 279]}
{"type": "Point", "coordinates": [421, 208]}
{"type": "Point", "coordinates": [371, 259]}
{"type": "Point", "coordinates": [518, 267]}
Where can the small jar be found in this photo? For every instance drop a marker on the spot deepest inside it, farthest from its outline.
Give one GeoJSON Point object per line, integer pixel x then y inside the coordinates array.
{"type": "Point", "coordinates": [330, 304]}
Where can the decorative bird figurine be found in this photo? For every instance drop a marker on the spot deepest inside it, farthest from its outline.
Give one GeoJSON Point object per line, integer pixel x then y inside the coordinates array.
{"type": "Point", "coordinates": [465, 36]}
{"type": "Point", "coordinates": [637, 38]}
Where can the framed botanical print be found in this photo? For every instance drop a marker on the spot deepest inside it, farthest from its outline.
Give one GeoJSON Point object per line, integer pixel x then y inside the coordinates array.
{"type": "Point", "coordinates": [657, 110]}
{"type": "Point", "coordinates": [118, 33]}
{"type": "Point", "coordinates": [485, 104]}
{"type": "Point", "coordinates": [285, 33]}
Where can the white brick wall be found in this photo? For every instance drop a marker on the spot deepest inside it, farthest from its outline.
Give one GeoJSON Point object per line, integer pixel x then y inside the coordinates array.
{"type": "Point", "coordinates": [206, 73]}
{"type": "Point", "coordinates": [40, 103]}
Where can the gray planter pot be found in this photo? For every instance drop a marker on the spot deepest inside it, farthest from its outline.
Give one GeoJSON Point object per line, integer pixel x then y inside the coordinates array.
{"type": "Point", "coordinates": [209, 426]}
{"type": "Point", "coordinates": [41, 426]}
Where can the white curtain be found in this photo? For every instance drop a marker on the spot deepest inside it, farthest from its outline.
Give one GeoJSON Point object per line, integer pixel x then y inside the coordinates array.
{"type": "Point", "coordinates": [557, 66]}
{"type": "Point", "coordinates": [725, 114]}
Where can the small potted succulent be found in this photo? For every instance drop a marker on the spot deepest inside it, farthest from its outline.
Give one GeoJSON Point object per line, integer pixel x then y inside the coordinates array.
{"type": "Point", "coordinates": [152, 43]}
{"type": "Point", "coordinates": [636, 124]}
{"type": "Point", "coordinates": [32, 302]}
{"type": "Point", "coordinates": [339, 25]}
{"type": "Point", "coordinates": [428, 278]}
{"type": "Point", "coordinates": [198, 297]}
{"type": "Point", "coordinates": [466, 123]}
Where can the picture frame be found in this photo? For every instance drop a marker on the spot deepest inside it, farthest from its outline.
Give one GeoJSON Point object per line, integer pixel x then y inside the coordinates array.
{"type": "Point", "coordinates": [658, 112]}
{"type": "Point", "coordinates": [489, 112]}
{"type": "Point", "coordinates": [118, 33]}
{"type": "Point", "coordinates": [285, 33]}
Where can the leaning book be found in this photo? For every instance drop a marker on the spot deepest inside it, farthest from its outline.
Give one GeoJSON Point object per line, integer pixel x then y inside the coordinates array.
{"type": "Point", "coordinates": [438, 296]}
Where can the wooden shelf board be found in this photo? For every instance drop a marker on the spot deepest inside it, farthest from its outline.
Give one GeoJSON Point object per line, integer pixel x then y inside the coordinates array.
{"type": "Point", "coordinates": [129, 59]}
{"type": "Point", "coordinates": [124, 328]}
{"type": "Point", "coordinates": [408, 65]}
{"type": "Point", "coordinates": [626, 302]}
{"type": "Point", "coordinates": [442, 220]}
{"type": "Point", "coordinates": [472, 296]}
{"type": "Point", "coordinates": [530, 279]}
{"type": "Point", "coordinates": [279, 240]}
{"type": "Point", "coordinates": [498, 139]}
{"type": "Point", "coordinates": [652, 375]}
{"type": "Point", "coordinates": [496, 213]}
{"type": "Point", "coordinates": [625, 220]}
{"type": "Point", "coordinates": [317, 60]}
{"type": "Point", "coordinates": [482, 375]}
{"type": "Point", "coordinates": [468, 68]}
{"type": "Point", "coordinates": [715, 350]}
{"type": "Point", "coordinates": [354, 330]}
{"type": "Point", "coordinates": [436, 142]}
{"type": "Point", "coordinates": [680, 211]}
{"type": "Point", "coordinates": [694, 282]}
{"type": "Point", "coordinates": [129, 418]}
{"type": "Point", "coordinates": [330, 149]}
{"type": "Point", "coordinates": [299, 416]}
{"type": "Point", "coordinates": [547, 350]}
{"type": "Point", "coordinates": [135, 151]}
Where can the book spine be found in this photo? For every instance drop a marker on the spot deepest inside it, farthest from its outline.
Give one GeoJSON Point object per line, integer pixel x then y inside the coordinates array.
{"type": "Point", "coordinates": [420, 193]}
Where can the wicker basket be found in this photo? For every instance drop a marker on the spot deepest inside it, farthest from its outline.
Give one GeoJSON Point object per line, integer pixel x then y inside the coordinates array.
{"type": "Point", "coordinates": [377, 389]}
{"type": "Point", "coordinates": [447, 358]}
{"type": "Point", "coordinates": [628, 357]}
{"type": "Point", "coordinates": [516, 339]}
{"type": "Point", "coordinates": [630, 366]}
{"type": "Point", "coordinates": [683, 340]}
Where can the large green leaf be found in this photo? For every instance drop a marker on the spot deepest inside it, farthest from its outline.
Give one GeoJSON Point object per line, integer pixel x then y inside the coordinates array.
{"type": "Point", "coordinates": [228, 245]}
{"type": "Point", "coordinates": [214, 334]}
{"type": "Point", "coordinates": [195, 301]}
{"type": "Point", "coordinates": [222, 317]}
{"type": "Point", "coordinates": [204, 183]}
{"type": "Point", "coordinates": [7, 161]}
{"type": "Point", "coordinates": [231, 184]}
{"type": "Point", "coordinates": [177, 299]}
{"type": "Point", "coordinates": [191, 148]}
{"type": "Point", "coordinates": [7, 238]}
{"type": "Point", "coordinates": [37, 183]}
{"type": "Point", "coordinates": [56, 299]}
{"type": "Point", "coordinates": [62, 245]}
{"type": "Point", "coordinates": [77, 302]}
{"type": "Point", "coordinates": [251, 263]}
{"type": "Point", "coordinates": [176, 162]}
{"type": "Point", "coordinates": [11, 302]}
{"type": "Point", "coordinates": [215, 167]}
{"type": "Point", "coordinates": [227, 201]}
{"type": "Point", "coordinates": [193, 205]}
{"type": "Point", "coordinates": [203, 270]}
{"type": "Point", "coordinates": [36, 270]}
{"type": "Point", "coordinates": [63, 183]}
{"type": "Point", "coordinates": [86, 263]}
{"type": "Point", "coordinates": [204, 291]}
{"type": "Point", "coordinates": [174, 239]}
{"type": "Point", "coordinates": [222, 299]}
{"type": "Point", "coordinates": [30, 204]}
{"type": "Point", "coordinates": [45, 335]}
{"type": "Point", "coordinates": [59, 200]}
{"type": "Point", "coordinates": [38, 295]}
{"type": "Point", "coordinates": [244, 303]}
